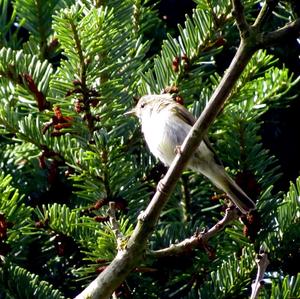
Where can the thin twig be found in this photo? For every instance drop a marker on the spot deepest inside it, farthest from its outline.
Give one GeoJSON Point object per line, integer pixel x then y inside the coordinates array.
{"type": "Point", "coordinates": [238, 13]}
{"type": "Point", "coordinates": [290, 30]}
{"type": "Point", "coordinates": [199, 239]}
{"type": "Point", "coordinates": [231, 214]}
{"type": "Point", "coordinates": [185, 199]}
{"type": "Point", "coordinates": [115, 224]}
{"type": "Point", "coordinates": [265, 13]}
{"type": "Point", "coordinates": [262, 262]}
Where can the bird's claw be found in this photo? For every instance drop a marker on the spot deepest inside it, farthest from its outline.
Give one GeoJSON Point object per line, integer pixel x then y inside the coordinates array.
{"type": "Point", "coordinates": [160, 187]}
{"type": "Point", "coordinates": [178, 149]}
{"type": "Point", "coordinates": [141, 216]}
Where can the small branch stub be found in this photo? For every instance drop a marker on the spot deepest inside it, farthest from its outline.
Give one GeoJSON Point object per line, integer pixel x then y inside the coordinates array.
{"type": "Point", "coordinates": [115, 224]}
{"type": "Point", "coordinates": [262, 262]}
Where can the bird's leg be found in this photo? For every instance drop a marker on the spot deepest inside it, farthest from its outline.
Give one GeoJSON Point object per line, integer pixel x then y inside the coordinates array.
{"type": "Point", "coordinates": [142, 216]}
{"type": "Point", "coordinates": [161, 186]}
{"type": "Point", "coordinates": [178, 149]}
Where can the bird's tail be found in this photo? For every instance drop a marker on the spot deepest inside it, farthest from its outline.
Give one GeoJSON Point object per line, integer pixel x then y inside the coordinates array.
{"type": "Point", "coordinates": [218, 176]}
{"type": "Point", "coordinates": [238, 196]}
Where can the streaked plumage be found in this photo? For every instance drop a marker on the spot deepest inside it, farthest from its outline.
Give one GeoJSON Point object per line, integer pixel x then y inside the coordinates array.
{"type": "Point", "coordinates": [165, 124]}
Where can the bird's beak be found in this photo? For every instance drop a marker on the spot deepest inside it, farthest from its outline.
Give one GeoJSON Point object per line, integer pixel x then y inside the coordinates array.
{"type": "Point", "coordinates": [130, 112]}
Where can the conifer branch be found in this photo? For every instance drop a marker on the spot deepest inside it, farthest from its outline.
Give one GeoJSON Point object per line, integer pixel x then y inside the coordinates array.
{"type": "Point", "coordinates": [42, 33]}
{"type": "Point", "coordinates": [83, 76]}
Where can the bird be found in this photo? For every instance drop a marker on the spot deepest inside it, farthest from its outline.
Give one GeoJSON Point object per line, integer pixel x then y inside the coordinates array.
{"type": "Point", "coordinates": [165, 124]}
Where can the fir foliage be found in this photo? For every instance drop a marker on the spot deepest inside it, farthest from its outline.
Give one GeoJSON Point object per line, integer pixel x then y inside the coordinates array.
{"type": "Point", "coordinates": [16, 282]}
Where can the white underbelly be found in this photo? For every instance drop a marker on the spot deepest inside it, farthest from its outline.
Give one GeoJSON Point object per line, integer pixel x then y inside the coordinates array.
{"type": "Point", "coordinates": [163, 137]}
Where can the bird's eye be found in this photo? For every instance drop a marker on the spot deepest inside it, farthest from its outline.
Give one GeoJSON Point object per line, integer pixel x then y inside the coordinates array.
{"type": "Point", "coordinates": [143, 105]}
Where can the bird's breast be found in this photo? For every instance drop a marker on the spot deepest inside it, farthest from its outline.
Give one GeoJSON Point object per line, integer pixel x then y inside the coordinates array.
{"type": "Point", "coordinates": [163, 133]}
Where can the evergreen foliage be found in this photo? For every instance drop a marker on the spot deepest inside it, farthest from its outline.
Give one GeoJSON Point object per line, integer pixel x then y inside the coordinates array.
{"type": "Point", "coordinates": [68, 72]}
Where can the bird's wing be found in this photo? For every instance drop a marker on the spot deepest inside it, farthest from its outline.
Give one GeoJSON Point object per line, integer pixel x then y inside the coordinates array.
{"type": "Point", "coordinates": [187, 117]}
{"type": "Point", "coordinates": [183, 114]}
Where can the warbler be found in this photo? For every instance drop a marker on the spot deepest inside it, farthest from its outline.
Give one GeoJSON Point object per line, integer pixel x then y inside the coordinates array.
{"type": "Point", "coordinates": [165, 124]}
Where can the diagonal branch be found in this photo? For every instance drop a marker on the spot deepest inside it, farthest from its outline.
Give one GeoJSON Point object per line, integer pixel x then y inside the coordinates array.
{"type": "Point", "coordinates": [107, 281]}
{"type": "Point", "coordinates": [127, 259]}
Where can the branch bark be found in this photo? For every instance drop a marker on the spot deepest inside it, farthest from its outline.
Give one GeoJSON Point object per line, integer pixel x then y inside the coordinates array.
{"type": "Point", "coordinates": [127, 259]}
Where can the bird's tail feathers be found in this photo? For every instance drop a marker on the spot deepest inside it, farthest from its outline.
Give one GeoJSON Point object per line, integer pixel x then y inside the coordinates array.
{"type": "Point", "coordinates": [222, 180]}
{"type": "Point", "coordinates": [238, 196]}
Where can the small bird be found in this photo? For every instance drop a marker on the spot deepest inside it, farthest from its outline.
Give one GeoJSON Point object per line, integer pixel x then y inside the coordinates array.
{"type": "Point", "coordinates": [165, 124]}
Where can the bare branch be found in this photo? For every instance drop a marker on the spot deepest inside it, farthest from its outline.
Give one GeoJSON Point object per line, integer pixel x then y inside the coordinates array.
{"type": "Point", "coordinates": [199, 239]}
{"type": "Point", "coordinates": [262, 262]}
{"type": "Point", "coordinates": [265, 13]}
{"type": "Point", "coordinates": [115, 224]}
{"type": "Point", "coordinates": [185, 199]}
{"type": "Point", "coordinates": [238, 13]}
{"type": "Point", "coordinates": [291, 30]}
{"type": "Point", "coordinates": [231, 214]}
